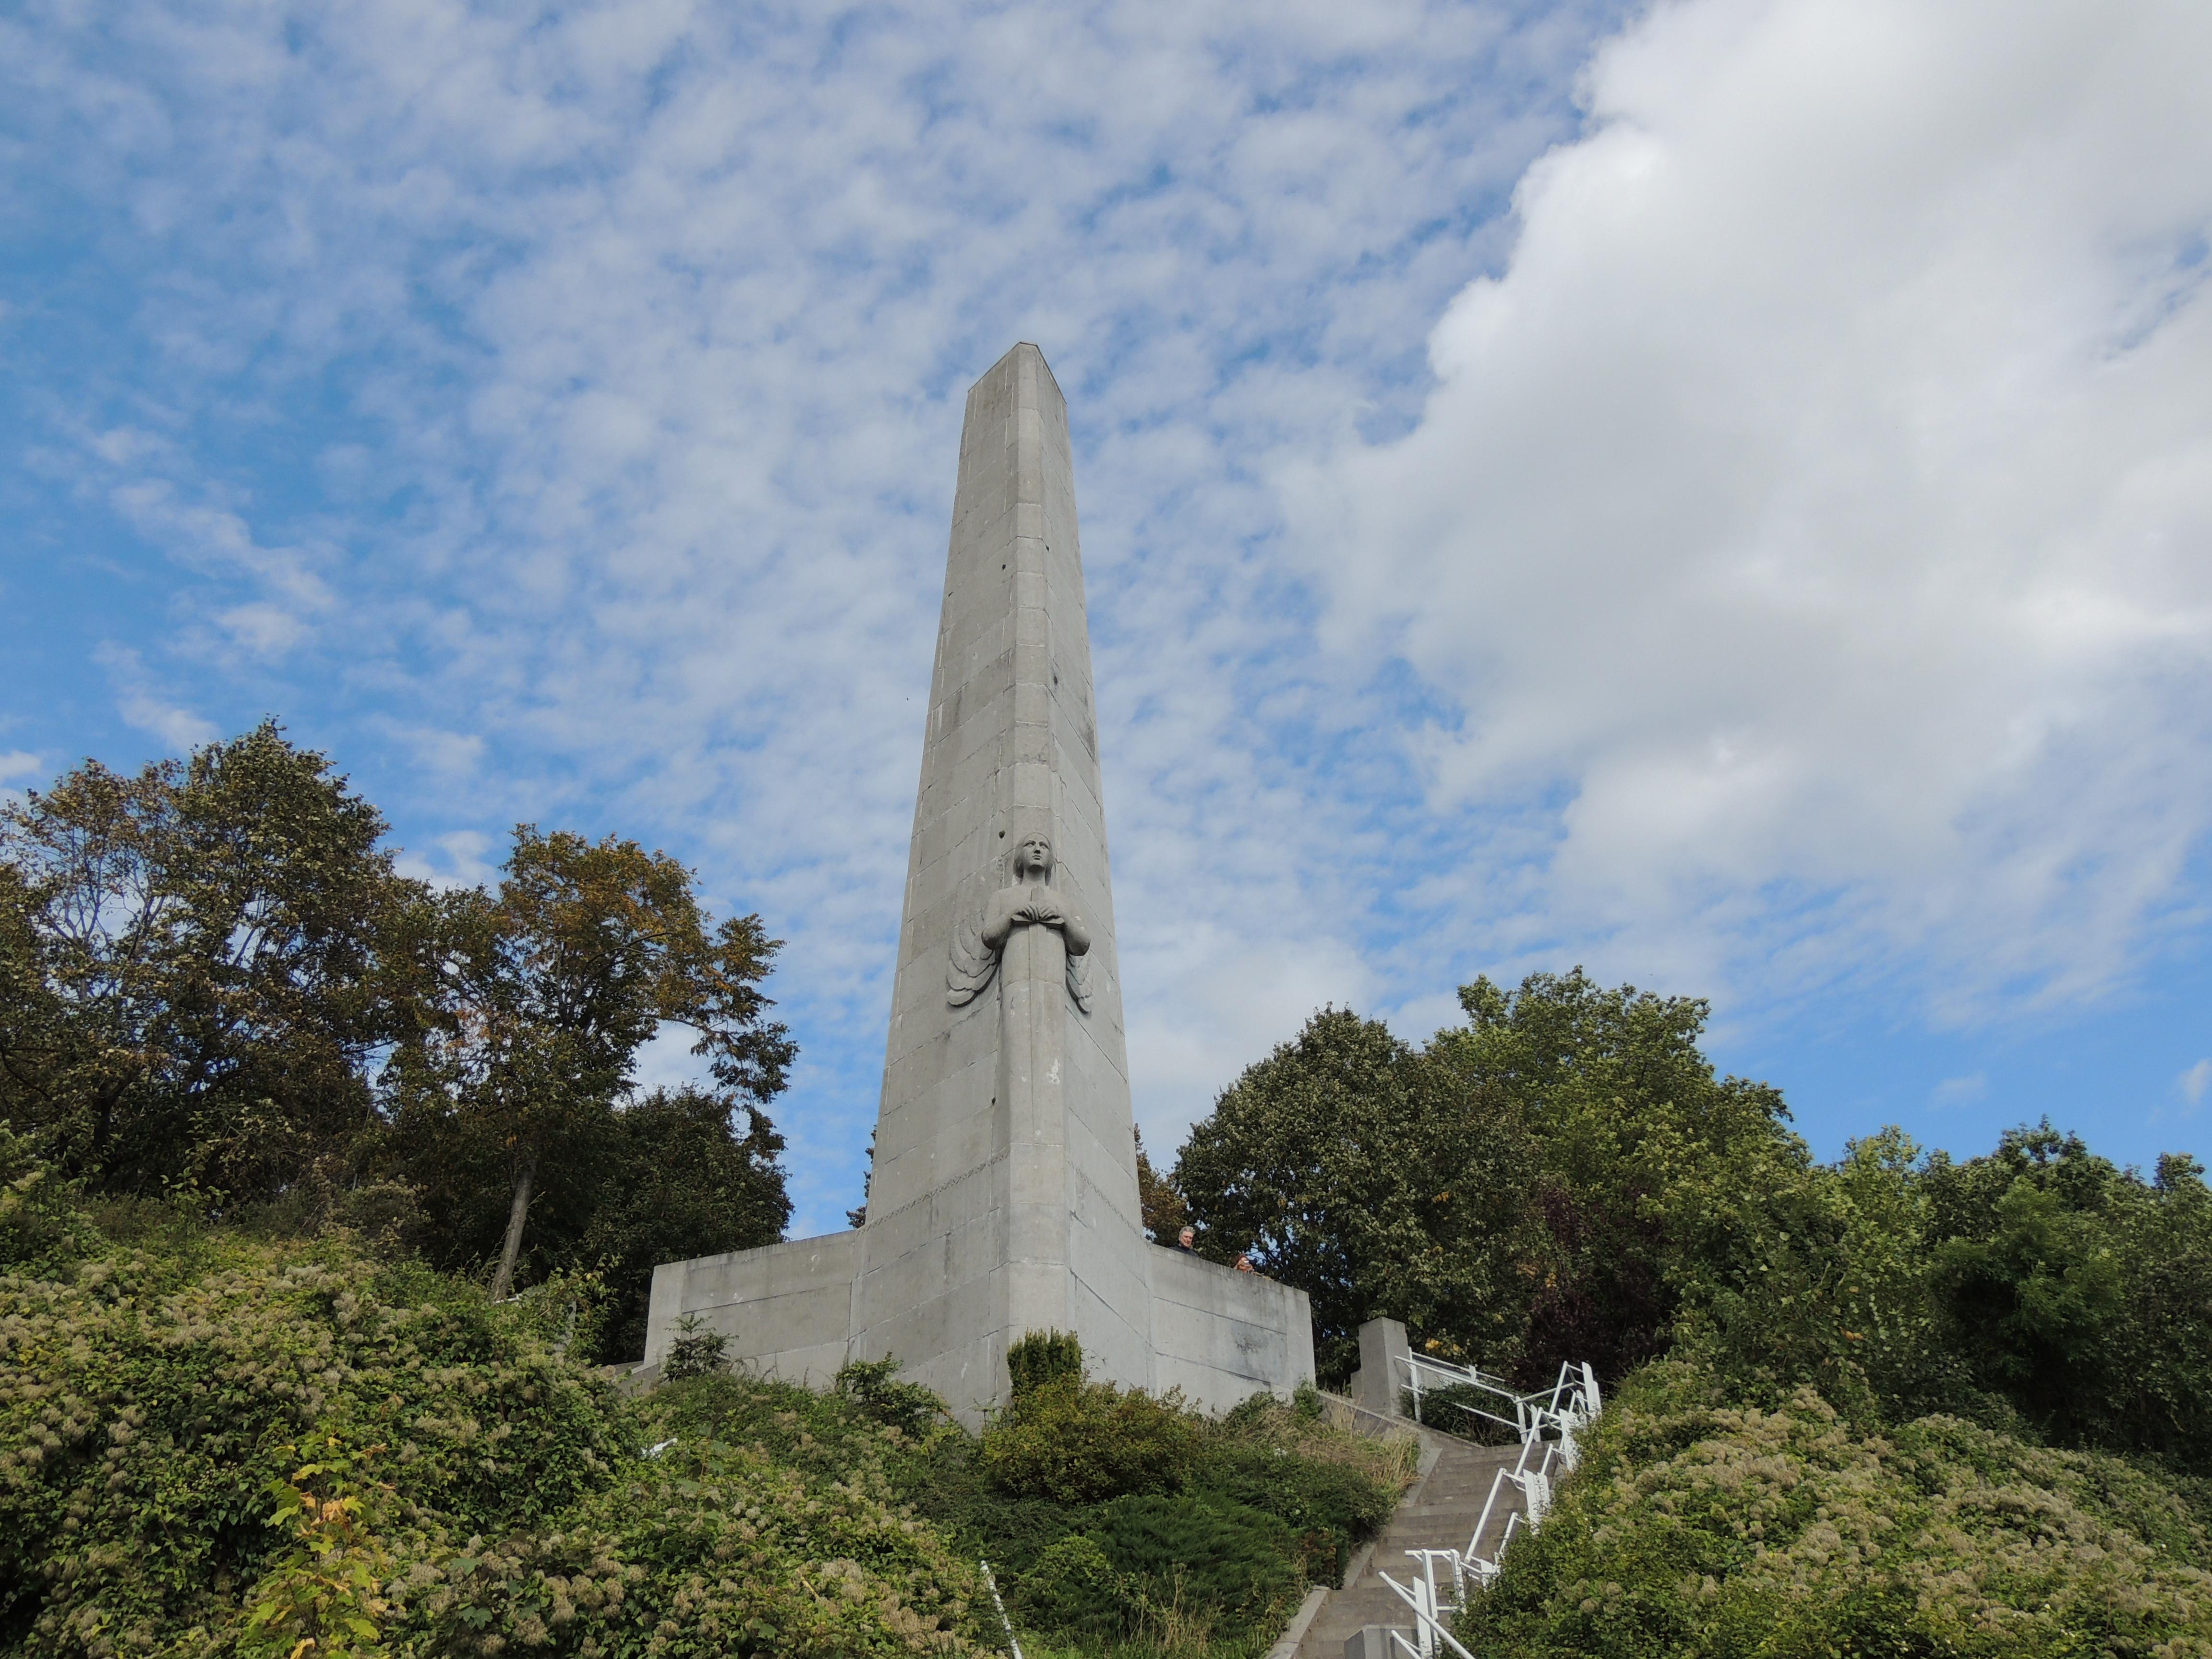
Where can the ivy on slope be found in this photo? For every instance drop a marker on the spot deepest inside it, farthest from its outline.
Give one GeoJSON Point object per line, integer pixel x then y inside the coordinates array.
{"type": "Point", "coordinates": [212, 1445]}
{"type": "Point", "coordinates": [1717, 1530]}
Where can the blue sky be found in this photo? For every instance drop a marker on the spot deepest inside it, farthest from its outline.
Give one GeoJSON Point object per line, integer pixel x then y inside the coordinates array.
{"type": "Point", "coordinates": [1721, 493]}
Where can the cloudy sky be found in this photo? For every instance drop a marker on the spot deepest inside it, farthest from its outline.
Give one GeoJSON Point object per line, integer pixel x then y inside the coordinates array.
{"type": "Point", "coordinates": [1720, 493]}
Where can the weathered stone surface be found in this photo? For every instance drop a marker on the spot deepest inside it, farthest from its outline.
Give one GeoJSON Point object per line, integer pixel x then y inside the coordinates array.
{"type": "Point", "coordinates": [1015, 1082]}
{"type": "Point", "coordinates": [1221, 1336]}
{"type": "Point", "coordinates": [1005, 1193]}
{"type": "Point", "coordinates": [787, 1308]}
{"type": "Point", "coordinates": [1384, 1349]}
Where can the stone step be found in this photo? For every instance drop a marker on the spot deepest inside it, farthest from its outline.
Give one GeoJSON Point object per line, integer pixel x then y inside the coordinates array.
{"type": "Point", "coordinates": [1439, 1512]}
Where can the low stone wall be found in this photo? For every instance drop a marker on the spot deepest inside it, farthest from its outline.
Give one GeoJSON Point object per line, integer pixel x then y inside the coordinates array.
{"type": "Point", "coordinates": [1221, 1336]}
{"type": "Point", "coordinates": [787, 1309]}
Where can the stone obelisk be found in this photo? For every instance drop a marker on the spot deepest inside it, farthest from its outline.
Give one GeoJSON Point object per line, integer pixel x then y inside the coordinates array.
{"type": "Point", "coordinates": [1004, 1198]}
{"type": "Point", "coordinates": [1004, 1195]}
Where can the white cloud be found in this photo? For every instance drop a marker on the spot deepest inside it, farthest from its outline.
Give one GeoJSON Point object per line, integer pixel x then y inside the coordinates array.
{"type": "Point", "coordinates": [2195, 1082]}
{"type": "Point", "coordinates": [636, 337]}
{"type": "Point", "coordinates": [464, 857]}
{"type": "Point", "coordinates": [1812, 526]}
{"type": "Point", "coordinates": [553, 416]}
{"type": "Point", "coordinates": [1959, 1091]}
{"type": "Point", "coordinates": [18, 764]}
{"type": "Point", "coordinates": [141, 705]}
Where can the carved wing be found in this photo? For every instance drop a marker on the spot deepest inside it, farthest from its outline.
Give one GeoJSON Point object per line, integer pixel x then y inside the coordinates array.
{"type": "Point", "coordinates": [968, 962]}
{"type": "Point", "coordinates": [1079, 982]}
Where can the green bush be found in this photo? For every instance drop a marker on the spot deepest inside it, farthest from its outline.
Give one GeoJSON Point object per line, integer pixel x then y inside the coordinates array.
{"type": "Point", "coordinates": [696, 1351]}
{"type": "Point", "coordinates": [1328, 1507]}
{"type": "Point", "coordinates": [873, 1386]}
{"type": "Point", "coordinates": [1699, 1526]}
{"type": "Point", "coordinates": [1076, 1442]}
{"type": "Point", "coordinates": [212, 1444]}
{"type": "Point", "coordinates": [1073, 1589]}
{"type": "Point", "coordinates": [1190, 1553]}
{"type": "Point", "coordinates": [1043, 1357]}
{"type": "Point", "coordinates": [41, 1230]}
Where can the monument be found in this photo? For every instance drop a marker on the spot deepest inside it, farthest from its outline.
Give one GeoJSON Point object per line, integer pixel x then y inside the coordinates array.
{"type": "Point", "coordinates": [1004, 1199]}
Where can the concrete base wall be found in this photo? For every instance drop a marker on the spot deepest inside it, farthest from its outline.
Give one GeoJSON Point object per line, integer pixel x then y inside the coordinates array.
{"type": "Point", "coordinates": [789, 1311]}
{"type": "Point", "coordinates": [1221, 1336]}
{"type": "Point", "coordinates": [1383, 1351]}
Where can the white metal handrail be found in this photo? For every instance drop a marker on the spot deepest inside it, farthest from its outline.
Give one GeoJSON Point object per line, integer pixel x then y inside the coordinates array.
{"type": "Point", "coordinates": [1418, 1595]}
{"type": "Point", "coordinates": [1442, 1374]}
{"type": "Point", "coordinates": [1573, 1399]}
{"type": "Point", "coordinates": [1550, 1423]}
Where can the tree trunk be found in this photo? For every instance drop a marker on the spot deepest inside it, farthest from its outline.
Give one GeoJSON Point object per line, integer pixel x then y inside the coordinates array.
{"type": "Point", "coordinates": [503, 1281]}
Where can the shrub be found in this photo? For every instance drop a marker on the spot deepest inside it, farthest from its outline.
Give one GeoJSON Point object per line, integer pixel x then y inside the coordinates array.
{"type": "Point", "coordinates": [1183, 1552]}
{"type": "Point", "coordinates": [40, 1229]}
{"type": "Point", "coordinates": [1079, 1442]}
{"type": "Point", "coordinates": [211, 1445]}
{"type": "Point", "coordinates": [873, 1386]}
{"type": "Point", "coordinates": [1332, 1489]}
{"type": "Point", "coordinates": [1700, 1527]}
{"type": "Point", "coordinates": [1043, 1357]}
{"type": "Point", "coordinates": [1073, 1589]}
{"type": "Point", "coordinates": [697, 1352]}
{"type": "Point", "coordinates": [1328, 1507]}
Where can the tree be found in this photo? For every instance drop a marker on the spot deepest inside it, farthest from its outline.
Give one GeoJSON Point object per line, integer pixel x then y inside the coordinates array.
{"type": "Point", "coordinates": [1346, 1164]}
{"type": "Point", "coordinates": [683, 1180]}
{"type": "Point", "coordinates": [1828, 1284]}
{"type": "Point", "coordinates": [196, 967]}
{"type": "Point", "coordinates": [544, 992]}
{"type": "Point", "coordinates": [1546, 1182]}
{"type": "Point", "coordinates": [1649, 1169]}
{"type": "Point", "coordinates": [2080, 1292]}
{"type": "Point", "coordinates": [1161, 1206]}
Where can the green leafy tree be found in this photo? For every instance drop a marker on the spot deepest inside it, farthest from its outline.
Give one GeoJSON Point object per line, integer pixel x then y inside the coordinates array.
{"type": "Point", "coordinates": [1347, 1164]}
{"type": "Point", "coordinates": [1549, 1182]}
{"type": "Point", "coordinates": [1830, 1285]}
{"type": "Point", "coordinates": [678, 1173]}
{"type": "Point", "coordinates": [1648, 1165]}
{"type": "Point", "coordinates": [196, 967]}
{"type": "Point", "coordinates": [545, 991]}
{"type": "Point", "coordinates": [691, 1172]}
{"type": "Point", "coordinates": [1159, 1204]}
{"type": "Point", "coordinates": [2080, 1292]}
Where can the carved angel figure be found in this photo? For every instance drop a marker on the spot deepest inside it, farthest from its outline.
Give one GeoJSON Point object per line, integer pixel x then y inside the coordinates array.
{"type": "Point", "coordinates": [1028, 901]}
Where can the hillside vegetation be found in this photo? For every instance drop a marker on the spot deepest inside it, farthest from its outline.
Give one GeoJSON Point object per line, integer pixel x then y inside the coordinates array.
{"type": "Point", "coordinates": [216, 1444]}
{"type": "Point", "coordinates": [1900, 1404]}
{"type": "Point", "coordinates": [214, 980]}
{"type": "Point", "coordinates": [1701, 1526]}
{"type": "Point", "coordinates": [280, 1127]}
{"type": "Point", "coordinates": [1566, 1177]}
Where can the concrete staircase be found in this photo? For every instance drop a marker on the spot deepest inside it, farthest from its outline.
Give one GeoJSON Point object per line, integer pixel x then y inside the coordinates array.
{"type": "Point", "coordinates": [1440, 1510]}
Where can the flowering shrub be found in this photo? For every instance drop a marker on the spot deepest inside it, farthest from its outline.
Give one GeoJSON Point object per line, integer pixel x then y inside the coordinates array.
{"type": "Point", "coordinates": [1696, 1527]}
{"type": "Point", "coordinates": [210, 1444]}
{"type": "Point", "coordinates": [216, 1445]}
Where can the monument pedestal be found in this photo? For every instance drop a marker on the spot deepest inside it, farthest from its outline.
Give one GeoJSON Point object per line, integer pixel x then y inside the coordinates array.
{"type": "Point", "coordinates": [787, 1309]}
{"type": "Point", "coordinates": [1004, 1198]}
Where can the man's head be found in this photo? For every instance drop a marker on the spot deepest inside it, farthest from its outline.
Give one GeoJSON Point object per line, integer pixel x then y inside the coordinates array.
{"type": "Point", "coordinates": [1187, 1237]}
{"type": "Point", "coordinates": [1035, 853]}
